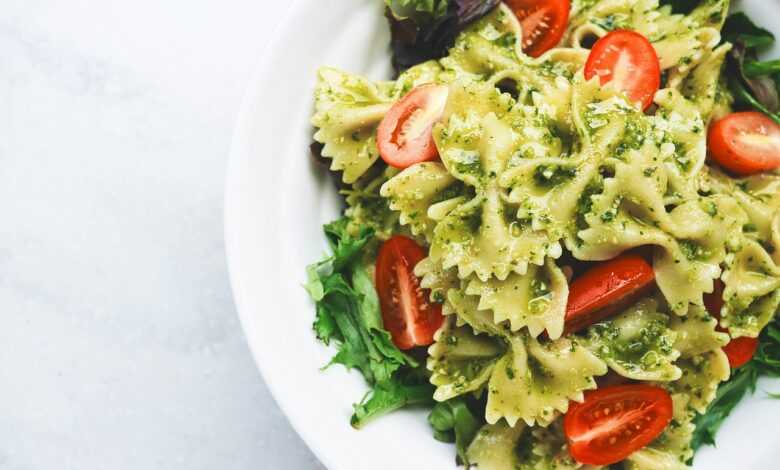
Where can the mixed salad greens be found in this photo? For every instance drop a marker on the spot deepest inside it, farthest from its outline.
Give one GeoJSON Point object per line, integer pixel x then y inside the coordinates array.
{"type": "Point", "coordinates": [348, 310]}
{"type": "Point", "coordinates": [426, 29]}
{"type": "Point", "coordinates": [348, 314]}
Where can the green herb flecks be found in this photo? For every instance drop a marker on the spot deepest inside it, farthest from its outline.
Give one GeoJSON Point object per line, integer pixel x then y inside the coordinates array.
{"type": "Point", "coordinates": [553, 175]}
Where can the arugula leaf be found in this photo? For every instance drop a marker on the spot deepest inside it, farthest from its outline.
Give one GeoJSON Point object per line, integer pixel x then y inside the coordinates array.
{"type": "Point", "coordinates": [757, 69]}
{"type": "Point", "coordinates": [765, 363]}
{"type": "Point", "coordinates": [453, 421]}
{"type": "Point", "coordinates": [729, 395]}
{"type": "Point", "coordinates": [408, 387]}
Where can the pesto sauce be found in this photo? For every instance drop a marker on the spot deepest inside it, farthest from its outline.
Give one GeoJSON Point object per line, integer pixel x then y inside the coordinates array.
{"type": "Point", "coordinates": [645, 350]}
{"type": "Point", "coordinates": [553, 175]}
{"type": "Point", "coordinates": [693, 250]}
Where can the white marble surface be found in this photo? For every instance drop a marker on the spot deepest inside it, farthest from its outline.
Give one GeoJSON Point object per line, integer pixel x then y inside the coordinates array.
{"type": "Point", "coordinates": [119, 344]}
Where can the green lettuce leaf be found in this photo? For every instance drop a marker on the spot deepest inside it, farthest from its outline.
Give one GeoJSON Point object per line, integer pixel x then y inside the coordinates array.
{"type": "Point", "coordinates": [408, 387]}
{"type": "Point", "coordinates": [348, 314]}
{"type": "Point", "coordinates": [347, 307]}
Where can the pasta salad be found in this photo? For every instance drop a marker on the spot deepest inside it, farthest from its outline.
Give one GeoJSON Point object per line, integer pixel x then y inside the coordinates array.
{"type": "Point", "coordinates": [562, 227]}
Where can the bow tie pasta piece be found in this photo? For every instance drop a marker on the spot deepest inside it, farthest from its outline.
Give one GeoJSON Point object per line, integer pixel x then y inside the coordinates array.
{"type": "Point", "coordinates": [348, 109]}
{"type": "Point", "coordinates": [679, 132]}
{"type": "Point", "coordinates": [672, 449]}
{"type": "Point", "coordinates": [423, 194]}
{"type": "Point", "coordinates": [638, 344]}
{"type": "Point", "coordinates": [529, 380]}
{"type": "Point", "coordinates": [699, 86]}
{"type": "Point", "coordinates": [501, 447]}
{"type": "Point", "coordinates": [534, 381]}
{"type": "Point", "coordinates": [466, 310]}
{"type": "Point", "coordinates": [696, 333]}
{"type": "Point", "coordinates": [546, 448]}
{"type": "Point", "coordinates": [701, 375]}
{"type": "Point", "coordinates": [426, 72]}
{"type": "Point", "coordinates": [752, 274]}
{"type": "Point", "coordinates": [482, 237]}
{"type": "Point", "coordinates": [648, 195]}
{"type": "Point", "coordinates": [686, 265]}
{"type": "Point", "coordinates": [461, 361]}
{"type": "Point", "coordinates": [438, 281]}
{"type": "Point", "coordinates": [561, 160]}
{"type": "Point", "coordinates": [490, 45]}
{"type": "Point", "coordinates": [691, 239]}
{"type": "Point", "coordinates": [476, 141]}
{"type": "Point", "coordinates": [758, 196]}
{"type": "Point", "coordinates": [495, 447]}
{"type": "Point", "coordinates": [702, 361]}
{"type": "Point", "coordinates": [752, 292]}
{"type": "Point", "coordinates": [536, 300]}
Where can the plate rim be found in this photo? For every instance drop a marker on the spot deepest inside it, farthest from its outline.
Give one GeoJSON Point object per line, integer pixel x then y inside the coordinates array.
{"type": "Point", "coordinates": [232, 223]}
{"type": "Point", "coordinates": [232, 227]}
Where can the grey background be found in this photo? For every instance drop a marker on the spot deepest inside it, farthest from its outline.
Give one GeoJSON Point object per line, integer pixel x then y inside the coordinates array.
{"type": "Point", "coordinates": [119, 344]}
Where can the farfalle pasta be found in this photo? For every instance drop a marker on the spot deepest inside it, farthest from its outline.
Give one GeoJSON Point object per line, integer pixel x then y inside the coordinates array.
{"type": "Point", "coordinates": [547, 165]}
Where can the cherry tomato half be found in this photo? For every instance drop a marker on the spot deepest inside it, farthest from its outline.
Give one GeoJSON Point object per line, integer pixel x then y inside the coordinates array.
{"type": "Point", "coordinates": [745, 143]}
{"type": "Point", "coordinates": [543, 22]}
{"type": "Point", "coordinates": [407, 313]}
{"type": "Point", "coordinates": [405, 135]}
{"type": "Point", "coordinates": [739, 350]}
{"type": "Point", "coordinates": [614, 422]}
{"type": "Point", "coordinates": [629, 61]}
{"type": "Point", "coordinates": [606, 289]}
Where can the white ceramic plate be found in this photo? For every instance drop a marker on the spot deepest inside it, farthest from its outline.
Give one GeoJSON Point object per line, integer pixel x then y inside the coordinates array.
{"type": "Point", "coordinates": [276, 203]}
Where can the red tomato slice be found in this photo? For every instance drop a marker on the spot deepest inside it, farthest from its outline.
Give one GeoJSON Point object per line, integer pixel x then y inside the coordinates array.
{"type": "Point", "coordinates": [740, 350]}
{"type": "Point", "coordinates": [405, 135]}
{"type": "Point", "coordinates": [629, 61]}
{"type": "Point", "coordinates": [745, 143]}
{"type": "Point", "coordinates": [407, 313]}
{"type": "Point", "coordinates": [543, 22]}
{"type": "Point", "coordinates": [614, 422]}
{"type": "Point", "coordinates": [606, 289]}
